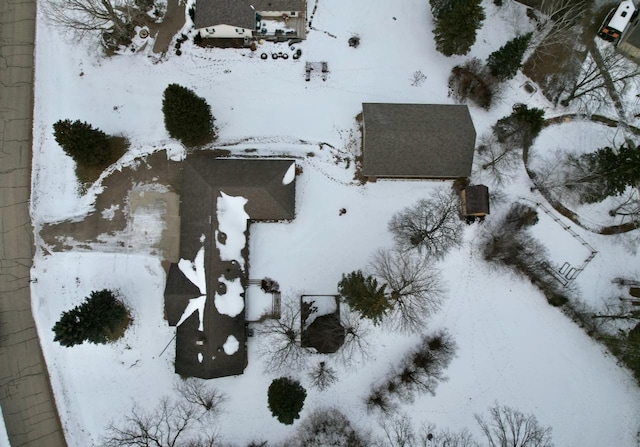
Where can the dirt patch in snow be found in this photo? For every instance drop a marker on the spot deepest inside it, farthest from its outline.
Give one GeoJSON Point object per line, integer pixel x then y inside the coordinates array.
{"type": "Point", "coordinates": [112, 230]}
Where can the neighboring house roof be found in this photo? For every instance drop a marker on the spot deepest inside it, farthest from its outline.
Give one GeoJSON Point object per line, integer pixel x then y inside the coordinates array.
{"type": "Point", "coordinates": [326, 334]}
{"type": "Point", "coordinates": [417, 140]}
{"type": "Point", "coordinates": [476, 200]}
{"type": "Point", "coordinates": [631, 37]}
{"type": "Point", "coordinates": [239, 12]}
{"type": "Point", "coordinates": [268, 198]}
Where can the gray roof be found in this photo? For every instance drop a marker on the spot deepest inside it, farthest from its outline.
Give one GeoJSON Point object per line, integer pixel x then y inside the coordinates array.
{"type": "Point", "coordinates": [239, 12]}
{"type": "Point", "coordinates": [205, 177]}
{"type": "Point", "coordinates": [326, 334]}
{"type": "Point", "coordinates": [417, 140]}
{"type": "Point", "coordinates": [632, 36]}
{"type": "Point", "coordinates": [476, 200]}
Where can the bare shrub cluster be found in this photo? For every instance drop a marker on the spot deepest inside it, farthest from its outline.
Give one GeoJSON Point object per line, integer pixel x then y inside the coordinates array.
{"type": "Point", "coordinates": [420, 371]}
{"type": "Point", "coordinates": [472, 81]}
{"type": "Point", "coordinates": [328, 427]}
{"type": "Point", "coordinates": [509, 243]}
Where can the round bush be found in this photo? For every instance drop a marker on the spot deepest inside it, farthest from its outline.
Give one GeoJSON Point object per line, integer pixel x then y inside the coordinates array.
{"type": "Point", "coordinates": [286, 398]}
{"type": "Point", "coordinates": [187, 117]}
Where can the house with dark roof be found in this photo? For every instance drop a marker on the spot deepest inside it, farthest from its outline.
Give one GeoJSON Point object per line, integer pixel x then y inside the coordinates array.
{"type": "Point", "coordinates": [417, 141]}
{"type": "Point", "coordinates": [247, 19]}
{"type": "Point", "coordinates": [211, 342]}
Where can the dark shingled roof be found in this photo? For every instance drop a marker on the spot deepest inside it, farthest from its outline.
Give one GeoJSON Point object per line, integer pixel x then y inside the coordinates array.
{"type": "Point", "coordinates": [205, 177]}
{"type": "Point", "coordinates": [326, 334]}
{"type": "Point", "coordinates": [476, 200]}
{"type": "Point", "coordinates": [239, 12]}
{"type": "Point", "coordinates": [417, 140]}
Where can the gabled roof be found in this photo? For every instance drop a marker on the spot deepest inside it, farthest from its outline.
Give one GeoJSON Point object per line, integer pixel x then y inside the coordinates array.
{"type": "Point", "coordinates": [417, 140]}
{"type": "Point", "coordinates": [326, 334]}
{"type": "Point", "coordinates": [239, 12]}
{"type": "Point", "coordinates": [476, 200]}
{"type": "Point", "coordinates": [201, 353]}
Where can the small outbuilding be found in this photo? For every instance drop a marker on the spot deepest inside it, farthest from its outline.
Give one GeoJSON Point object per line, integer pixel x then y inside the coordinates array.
{"type": "Point", "coordinates": [417, 141]}
{"type": "Point", "coordinates": [326, 334]}
{"type": "Point", "coordinates": [475, 201]}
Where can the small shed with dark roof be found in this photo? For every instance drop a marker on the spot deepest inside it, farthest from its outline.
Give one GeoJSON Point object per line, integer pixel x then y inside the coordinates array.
{"type": "Point", "coordinates": [326, 334]}
{"type": "Point", "coordinates": [475, 201]}
{"type": "Point", "coordinates": [425, 141]}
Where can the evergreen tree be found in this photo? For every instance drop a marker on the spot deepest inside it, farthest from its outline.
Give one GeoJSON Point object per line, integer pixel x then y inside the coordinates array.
{"type": "Point", "coordinates": [286, 399]}
{"type": "Point", "coordinates": [456, 24]}
{"type": "Point", "coordinates": [102, 313]}
{"type": "Point", "coordinates": [69, 329]}
{"type": "Point", "coordinates": [95, 320]}
{"type": "Point", "coordinates": [83, 143]}
{"type": "Point", "coordinates": [617, 169]}
{"type": "Point", "coordinates": [187, 117]}
{"type": "Point", "coordinates": [521, 128]}
{"type": "Point", "coordinates": [505, 62]}
{"type": "Point", "coordinates": [364, 296]}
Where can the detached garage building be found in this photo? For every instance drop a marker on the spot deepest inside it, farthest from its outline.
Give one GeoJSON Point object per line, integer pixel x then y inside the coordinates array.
{"type": "Point", "coordinates": [421, 141]}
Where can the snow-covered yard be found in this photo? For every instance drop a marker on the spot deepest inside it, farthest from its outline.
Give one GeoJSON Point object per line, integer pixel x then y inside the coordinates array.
{"type": "Point", "coordinates": [513, 348]}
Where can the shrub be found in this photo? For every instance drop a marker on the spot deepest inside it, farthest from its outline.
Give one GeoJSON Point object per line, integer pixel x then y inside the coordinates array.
{"type": "Point", "coordinates": [83, 143]}
{"type": "Point", "coordinates": [99, 319]}
{"type": "Point", "coordinates": [472, 81]}
{"type": "Point", "coordinates": [187, 117]}
{"type": "Point", "coordinates": [286, 399]}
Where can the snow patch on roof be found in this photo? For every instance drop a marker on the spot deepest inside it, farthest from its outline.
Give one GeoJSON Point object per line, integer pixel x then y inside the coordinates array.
{"type": "Point", "coordinates": [232, 221]}
{"type": "Point", "coordinates": [231, 345]}
{"type": "Point", "coordinates": [194, 271]}
{"type": "Point", "coordinates": [290, 175]}
{"type": "Point", "coordinates": [195, 304]}
{"type": "Point", "coordinates": [232, 302]}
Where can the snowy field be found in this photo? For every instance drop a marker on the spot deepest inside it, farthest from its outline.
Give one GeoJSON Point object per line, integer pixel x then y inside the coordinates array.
{"type": "Point", "coordinates": [4, 439]}
{"type": "Point", "coordinates": [513, 348]}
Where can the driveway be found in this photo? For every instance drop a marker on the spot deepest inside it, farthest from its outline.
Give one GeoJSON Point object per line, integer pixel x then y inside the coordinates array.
{"type": "Point", "coordinates": [28, 406]}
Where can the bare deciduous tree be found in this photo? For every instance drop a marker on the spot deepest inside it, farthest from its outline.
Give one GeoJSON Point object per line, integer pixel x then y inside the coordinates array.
{"type": "Point", "coordinates": [398, 431]}
{"type": "Point", "coordinates": [429, 436]}
{"type": "Point", "coordinates": [500, 159]}
{"type": "Point", "coordinates": [322, 376]}
{"type": "Point", "coordinates": [356, 346]}
{"type": "Point", "coordinates": [170, 424]}
{"type": "Point", "coordinates": [592, 82]}
{"type": "Point", "coordinates": [113, 20]}
{"type": "Point", "coordinates": [511, 428]}
{"type": "Point", "coordinates": [432, 226]}
{"type": "Point", "coordinates": [556, 24]}
{"type": "Point", "coordinates": [280, 346]}
{"type": "Point", "coordinates": [627, 206]}
{"type": "Point", "coordinates": [414, 287]}
{"type": "Point", "coordinates": [197, 392]}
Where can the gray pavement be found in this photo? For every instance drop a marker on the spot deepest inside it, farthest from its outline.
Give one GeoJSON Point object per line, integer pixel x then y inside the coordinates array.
{"type": "Point", "coordinates": [27, 402]}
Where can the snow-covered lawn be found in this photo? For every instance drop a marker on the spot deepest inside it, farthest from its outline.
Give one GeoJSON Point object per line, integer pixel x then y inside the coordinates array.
{"type": "Point", "coordinates": [513, 348]}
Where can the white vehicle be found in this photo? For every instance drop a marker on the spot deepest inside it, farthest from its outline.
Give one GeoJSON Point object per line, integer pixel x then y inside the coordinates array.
{"type": "Point", "coordinates": [617, 21]}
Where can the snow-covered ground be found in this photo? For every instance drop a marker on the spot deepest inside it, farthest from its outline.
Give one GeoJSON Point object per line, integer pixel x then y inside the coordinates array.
{"type": "Point", "coordinates": [4, 438]}
{"type": "Point", "coordinates": [513, 347]}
